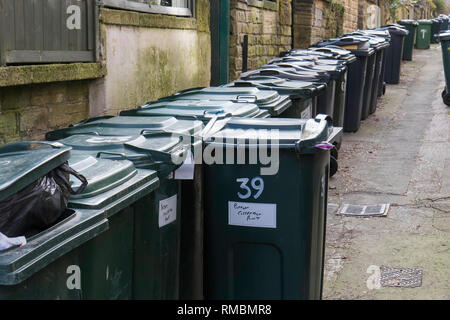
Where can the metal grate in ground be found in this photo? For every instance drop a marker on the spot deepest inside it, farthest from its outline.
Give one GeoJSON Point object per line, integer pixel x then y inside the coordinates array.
{"type": "Point", "coordinates": [379, 210]}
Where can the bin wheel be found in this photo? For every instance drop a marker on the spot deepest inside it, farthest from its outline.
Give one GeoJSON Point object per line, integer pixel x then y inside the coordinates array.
{"type": "Point", "coordinates": [333, 166]}
{"type": "Point", "coordinates": [443, 93]}
{"type": "Point", "coordinates": [334, 153]}
{"type": "Point", "coordinates": [384, 89]}
{"type": "Point", "coordinates": [446, 99]}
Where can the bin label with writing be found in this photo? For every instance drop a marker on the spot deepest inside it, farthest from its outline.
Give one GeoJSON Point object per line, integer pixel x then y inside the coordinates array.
{"type": "Point", "coordinates": [167, 211]}
{"type": "Point", "coordinates": [246, 214]}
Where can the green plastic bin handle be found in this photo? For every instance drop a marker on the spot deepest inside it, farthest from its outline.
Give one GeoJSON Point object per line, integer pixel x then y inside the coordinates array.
{"type": "Point", "coordinates": [247, 98]}
{"type": "Point", "coordinates": [122, 155]}
{"type": "Point", "coordinates": [27, 145]}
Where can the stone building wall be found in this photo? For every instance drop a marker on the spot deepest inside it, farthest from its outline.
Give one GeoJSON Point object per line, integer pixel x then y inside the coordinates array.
{"type": "Point", "coordinates": [143, 56]}
{"type": "Point", "coordinates": [316, 20]}
{"type": "Point", "coordinates": [268, 25]}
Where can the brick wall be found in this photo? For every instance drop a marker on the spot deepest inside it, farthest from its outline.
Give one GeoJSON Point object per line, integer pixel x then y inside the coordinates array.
{"type": "Point", "coordinates": [269, 29]}
{"type": "Point", "coordinates": [350, 15]}
{"type": "Point", "coordinates": [315, 20]}
{"type": "Point", "coordinates": [28, 112]}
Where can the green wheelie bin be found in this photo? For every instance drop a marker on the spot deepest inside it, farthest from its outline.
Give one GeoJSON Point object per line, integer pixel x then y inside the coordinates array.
{"type": "Point", "coordinates": [202, 110]}
{"type": "Point", "coordinates": [435, 30]}
{"type": "Point", "coordinates": [264, 236]}
{"type": "Point", "coordinates": [303, 94]}
{"type": "Point", "coordinates": [87, 253]}
{"type": "Point", "coordinates": [38, 268]}
{"type": "Point", "coordinates": [127, 195]}
{"type": "Point", "coordinates": [157, 225]}
{"type": "Point", "coordinates": [444, 38]}
{"type": "Point", "coordinates": [116, 126]}
{"type": "Point", "coordinates": [423, 36]}
{"type": "Point", "coordinates": [408, 47]}
{"type": "Point", "coordinates": [191, 185]}
{"type": "Point", "coordinates": [272, 101]}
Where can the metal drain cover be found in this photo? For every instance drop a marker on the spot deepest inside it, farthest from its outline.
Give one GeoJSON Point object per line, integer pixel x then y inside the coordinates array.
{"type": "Point", "coordinates": [401, 277]}
{"type": "Point", "coordinates": [379, 210]}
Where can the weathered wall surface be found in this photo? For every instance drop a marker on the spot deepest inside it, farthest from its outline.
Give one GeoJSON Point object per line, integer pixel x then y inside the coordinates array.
{"type": "Point", "coordinates": [27, 112]}
{"type": "Point", "coordinates": [316, 20]}
{"type": "Point", "coordinates": [150, 56]}
{"type": "Point", "coordinates": [144, 57]}
{"type": "Point", "coordinates": [269, 29]}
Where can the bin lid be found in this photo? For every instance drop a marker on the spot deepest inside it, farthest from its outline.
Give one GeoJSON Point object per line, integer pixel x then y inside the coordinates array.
{"type": "Point", "coordinates": [338, 52]}
{"type": "Point", "coordinates": [408, 22]}
{"type": "Point", "coordinates": [359, 46]}
{"type": "Point", "coordinates": [375, 40]}
{"type": "Point", "coordinates": [334, 71]}
{"type": "Point", "coordinates": [444, 36]}
{"type": "Point", "coordinates": [311, 53]}
{"type": "Point", "coordinates": [203, 110]}
{"type": "Point", "coordinates": [290, 133]}
{"type": "Point", "coordinates": [22, 163]}
{"type": "Point", "coordinates": [395, 29]}
{"type": "Point", "coordinates": [123, 125]}
{"type": "Point", "coordinates": [108, 181]}
{"type": "Point", "coordinates": [287, 73]}
{"type": "Point", "coordinates": [297, 68]}
{"type": "Point", "coordinates": [299, 62]}
{"type": "Point", "coordinates": [154, 151]}
{"type": "Point", "coordinates": [318, 60]}
{"type": "Point", "coordinates": [269, 100]}
{"type": "Point", "coordinates": [294, 88]}
{"type": "Point", "coordinates": [424, 21]}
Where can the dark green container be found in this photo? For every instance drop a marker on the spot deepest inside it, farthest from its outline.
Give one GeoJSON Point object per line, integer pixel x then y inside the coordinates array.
{"type": "Point", "coordinates": [435, 30]}
{"type": "Point", "coordinates": [265, 237]}
{"type": "Point", "coordinates": [444, 38]}
{"type": "Point", "coordinates": [191, 247]}
{"type": "Point", "coordinates": [40, 268]}
{"type": "Point", "coordinates": [121, 126]}
{"type": "Point", "coordinates": [303, 94]}
{"type": "Point", "coordinates": [155, 247]}
{"type": "Point", "coordinates": [423, 36]}
{"type": "Point", "coordinates": [120, 190]}
{"type": "Point", "coordinates": [271, 101]}
{"type": "Point", "coordinates": [408, 47]}
{"type": "Point", "coordinates": [198, 110]}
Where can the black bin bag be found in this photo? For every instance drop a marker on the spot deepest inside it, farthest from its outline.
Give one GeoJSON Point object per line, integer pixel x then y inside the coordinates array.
{"type": "Point", "coordinates": [39, 205]}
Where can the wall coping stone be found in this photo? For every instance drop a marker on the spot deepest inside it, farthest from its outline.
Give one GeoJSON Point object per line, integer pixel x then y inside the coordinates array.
{"type": "Point", "coordinates": [24, 75]}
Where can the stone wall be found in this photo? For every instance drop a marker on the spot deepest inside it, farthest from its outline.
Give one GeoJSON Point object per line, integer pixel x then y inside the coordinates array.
{"type": "Point", "coordinates": [143, 57]}
{"type": "Point", "coordinates": [149, 56]}
{"type": "Point", "coordinates": [316, 20]}
{"type": "Point", "coordinates": [28, 112]}
{"type": "Point", "coordinates": [268, 26]}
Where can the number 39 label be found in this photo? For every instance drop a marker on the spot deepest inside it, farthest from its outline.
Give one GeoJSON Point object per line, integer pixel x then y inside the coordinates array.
{"type": "Point", "coordinates": [256, 184]}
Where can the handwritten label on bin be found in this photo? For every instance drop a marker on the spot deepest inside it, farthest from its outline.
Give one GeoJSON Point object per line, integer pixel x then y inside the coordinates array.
{"type": "Point", "coordinates": [167, 211]}
{"type": "Point", "coordinates": [245, 214]}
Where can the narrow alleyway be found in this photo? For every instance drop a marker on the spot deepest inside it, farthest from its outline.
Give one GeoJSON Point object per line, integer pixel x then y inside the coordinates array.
{"type": "Point", "coordinates": [401, 156]}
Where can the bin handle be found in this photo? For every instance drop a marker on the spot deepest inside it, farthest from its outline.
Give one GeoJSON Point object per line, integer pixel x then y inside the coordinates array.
{"type": "Point", "coordinates": [247, 98]}
{"type": "Point", "coordinates": [95, 133]}
{"type": "Point", "coordinates": [152, 131]}
{"type": "Point", "coordinates": [211, 124]}
{"type": "Point", "coordinates": [29, 144]}
{"type": "Point", "coordinates": [91, 120]}
{"type": "Point", "coordinates": [122, 155]}
{"type": "Point", "coordinates": [324, 117]}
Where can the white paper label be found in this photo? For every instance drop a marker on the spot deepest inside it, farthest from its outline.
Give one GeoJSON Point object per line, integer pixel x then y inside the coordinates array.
{"type": "Point", "coordinates": [186, 171]}
{"type": "Point", "coordinates": [261, 215]}
{"type": "Point", "coordinates": [167, 211]}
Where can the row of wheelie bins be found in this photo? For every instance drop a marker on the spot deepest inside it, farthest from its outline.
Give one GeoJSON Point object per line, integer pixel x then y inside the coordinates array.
{"type": "Point", "coordinates": [201, 194]}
